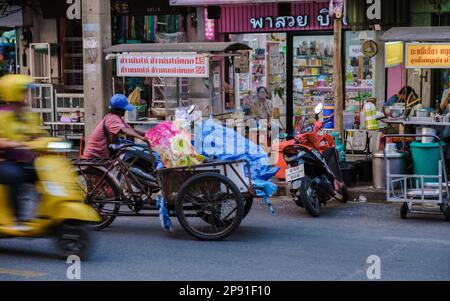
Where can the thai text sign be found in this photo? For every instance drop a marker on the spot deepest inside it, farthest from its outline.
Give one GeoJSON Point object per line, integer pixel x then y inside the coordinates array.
{"type": "Point", "coordinates": [162, 65]}
{"type": "Point", "coordinates": [427, 55]}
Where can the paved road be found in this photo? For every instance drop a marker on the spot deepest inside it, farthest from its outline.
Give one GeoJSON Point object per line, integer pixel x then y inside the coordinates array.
{"type": "Point", "coordinates": [289, 246]}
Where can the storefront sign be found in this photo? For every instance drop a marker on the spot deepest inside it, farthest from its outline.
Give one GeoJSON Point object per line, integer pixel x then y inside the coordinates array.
{"type": "Point", "coordinates": [427, 55]}
{"type": "Point", "coordinates": [290, 21]}
{"type": "Point", "coordinates": [219, 2]}
{"type": "Point", "coordinates": [266, 18]}
{"type": "Point", "coordinates": [393, 54]}
{"type": "Point", "coordinates": [163, 65]}
{"type": "Point", "coordinates": [143, 8]}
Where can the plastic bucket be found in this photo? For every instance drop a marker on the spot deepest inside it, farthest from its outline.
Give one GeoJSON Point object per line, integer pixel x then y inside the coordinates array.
{"type": "Point", "coordinates": [328, 113]}
{"type": "Point", "coordinates": [426, 158]}
{"type": "Point", "coordinates": [348, 171]}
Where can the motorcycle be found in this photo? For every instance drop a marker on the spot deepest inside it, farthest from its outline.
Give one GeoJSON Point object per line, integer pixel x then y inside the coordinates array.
{"type": "Point", "coordinates": [313, 170]}
{"type": "Point", "coordinates": [61, 212]}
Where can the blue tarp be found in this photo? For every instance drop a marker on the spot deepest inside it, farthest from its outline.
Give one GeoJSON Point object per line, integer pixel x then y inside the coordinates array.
{"type": "Point", "coordinates": [222, 143]}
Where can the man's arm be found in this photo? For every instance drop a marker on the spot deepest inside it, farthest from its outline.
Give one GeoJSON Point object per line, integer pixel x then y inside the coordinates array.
{"type": "Point", "coordinates": [133, 133]}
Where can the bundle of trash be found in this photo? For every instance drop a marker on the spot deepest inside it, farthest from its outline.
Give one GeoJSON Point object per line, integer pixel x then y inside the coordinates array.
{"type": "Point", "coordinates": [173, 145]}
{"type": "Point", "coordinates": [214, 140]}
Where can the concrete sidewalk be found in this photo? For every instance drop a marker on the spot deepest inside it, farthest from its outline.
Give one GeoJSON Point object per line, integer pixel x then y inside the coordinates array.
{"type": "Point", "coordinates": [364, 190]}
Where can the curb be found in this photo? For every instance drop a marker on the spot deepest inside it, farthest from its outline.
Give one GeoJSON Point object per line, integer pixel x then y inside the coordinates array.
{"type": "Point", "coordinates": [371, 194]}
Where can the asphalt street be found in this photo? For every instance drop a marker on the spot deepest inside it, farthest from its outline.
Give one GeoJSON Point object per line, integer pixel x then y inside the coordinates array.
{"type": "Point", "coordinates": [288, 246]}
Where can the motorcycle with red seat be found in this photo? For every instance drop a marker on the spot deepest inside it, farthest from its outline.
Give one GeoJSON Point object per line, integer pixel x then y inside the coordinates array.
{"type": "Point", "coordinates": [313, 170]}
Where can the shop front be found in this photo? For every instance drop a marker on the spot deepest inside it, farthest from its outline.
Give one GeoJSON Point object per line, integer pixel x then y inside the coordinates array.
{"type": "Point", "coordinates": [292, 57]}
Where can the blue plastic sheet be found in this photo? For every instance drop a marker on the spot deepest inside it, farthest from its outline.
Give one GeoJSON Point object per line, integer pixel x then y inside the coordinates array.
{"type": "Point", "coordinates": [214, 140]}
{"type": "Point", "coordinates": [164, 216]}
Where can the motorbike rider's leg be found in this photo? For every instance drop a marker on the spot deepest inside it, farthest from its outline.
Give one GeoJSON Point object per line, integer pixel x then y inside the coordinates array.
{"type": "Point", "coordinates": [13, 176]}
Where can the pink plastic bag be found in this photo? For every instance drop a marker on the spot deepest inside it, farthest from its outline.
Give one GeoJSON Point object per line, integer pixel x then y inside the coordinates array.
{"type": "Point", "coordinates": [173, 145]}
{"type": "Point", "coordinates": [160, 135]}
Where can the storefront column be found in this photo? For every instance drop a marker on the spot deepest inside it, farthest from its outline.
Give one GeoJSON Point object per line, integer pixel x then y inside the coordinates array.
{"type": "Point", "coordinates": [379, 71]}
{"type": "Point", "coordinates": [96, 19]}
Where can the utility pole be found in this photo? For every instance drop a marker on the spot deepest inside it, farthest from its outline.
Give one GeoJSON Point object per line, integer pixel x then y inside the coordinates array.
{"type": "Point", "coordinates": [338, 90]}
{"type": "Point", "coordinates": [97, 73]}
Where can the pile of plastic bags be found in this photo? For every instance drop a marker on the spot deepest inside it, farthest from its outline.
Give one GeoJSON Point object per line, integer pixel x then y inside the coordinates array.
{"type": "Point", "coordinates": [173, 145]}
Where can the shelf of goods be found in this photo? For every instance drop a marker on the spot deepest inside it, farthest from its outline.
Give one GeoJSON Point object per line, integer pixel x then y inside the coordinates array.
{"type": "Point", "coordinates": [166, 97]}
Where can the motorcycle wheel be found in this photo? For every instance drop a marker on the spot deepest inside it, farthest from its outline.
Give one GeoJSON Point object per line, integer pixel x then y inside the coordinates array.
{"type": "Point", "coordinates": [345, 194]}
{"type": "Point", "coordinates": [309, 197]}
{"type": "Point", "coordinates": [73, 238]}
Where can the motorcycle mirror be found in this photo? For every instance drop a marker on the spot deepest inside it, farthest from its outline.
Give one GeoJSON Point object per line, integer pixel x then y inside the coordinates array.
{"type": "Point", "coordinates": [318, 109]}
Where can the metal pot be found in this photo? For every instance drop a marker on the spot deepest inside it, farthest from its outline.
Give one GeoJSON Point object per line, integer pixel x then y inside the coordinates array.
{"type": "Point", "coordinates": [423, 113]}
{"type": "Point", "coordinates": [394, 111]}
{"type": "Point", "coordinates": [397, 166]}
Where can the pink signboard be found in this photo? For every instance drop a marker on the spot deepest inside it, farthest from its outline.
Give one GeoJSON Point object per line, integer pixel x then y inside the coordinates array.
{"type": "Point", "coordinates": [222, 2]}
{"type": "Point", "coordinates": [163, 65]}
{"type": "Point", "coordinates": [265, 18]}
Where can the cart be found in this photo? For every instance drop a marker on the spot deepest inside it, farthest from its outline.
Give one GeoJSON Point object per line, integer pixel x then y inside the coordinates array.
{"type": "Point", "coordinates": [413, 191]}
{"type": "Point", "coordinates": [210, 200]}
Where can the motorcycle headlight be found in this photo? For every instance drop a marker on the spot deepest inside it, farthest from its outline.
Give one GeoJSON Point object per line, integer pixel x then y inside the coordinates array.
{"type": "Point", "coordinates": [60, 145]}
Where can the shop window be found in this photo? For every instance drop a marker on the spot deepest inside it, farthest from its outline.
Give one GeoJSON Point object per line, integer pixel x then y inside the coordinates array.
{"type": "Point", "coordinates": [72, 52]}
{"type": "Point", "coordinates": [312, 75]}
{"type": "Point", "coordinates": [358, 73]}
{"type": "Point", "coordinates": [264, 66]}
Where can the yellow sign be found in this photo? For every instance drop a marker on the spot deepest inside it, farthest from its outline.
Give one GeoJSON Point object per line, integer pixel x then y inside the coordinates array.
{"type": "Point", "coordinates": [429, 55]}
{"type": "Point", "coordinates": [394, 54]}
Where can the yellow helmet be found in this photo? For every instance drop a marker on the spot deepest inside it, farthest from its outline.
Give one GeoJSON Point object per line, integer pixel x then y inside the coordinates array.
{"type": "Point", "coordinates": [13, 86]}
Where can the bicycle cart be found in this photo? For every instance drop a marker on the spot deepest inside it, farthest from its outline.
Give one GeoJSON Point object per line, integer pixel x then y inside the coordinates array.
{"type": "Point", "coordinates": [418, 189]}
{"type": "Point", "coordinates": [210, 200]}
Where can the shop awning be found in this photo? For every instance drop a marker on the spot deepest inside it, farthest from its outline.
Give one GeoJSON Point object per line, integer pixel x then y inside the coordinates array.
{"type": "Point", "coordinates": [201, 47]}
{"type": "Point", "coordinates": [418, 34]}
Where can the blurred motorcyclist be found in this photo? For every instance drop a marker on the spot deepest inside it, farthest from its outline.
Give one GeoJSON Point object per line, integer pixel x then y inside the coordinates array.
{"type": "Point", "coordinates": [17, 125]}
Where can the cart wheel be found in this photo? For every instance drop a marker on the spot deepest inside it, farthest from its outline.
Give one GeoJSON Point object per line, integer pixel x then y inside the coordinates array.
{"type": "Point", "coordinates": [447, 213]}
{"type": "Point", "coordinates": [404, 211]}
{"type": "Point", "coordinates": [106, 190]}
{"type": "Point", "coordinates": [248, 203]}
{"type": "Point", "coordinates": [209, 206]}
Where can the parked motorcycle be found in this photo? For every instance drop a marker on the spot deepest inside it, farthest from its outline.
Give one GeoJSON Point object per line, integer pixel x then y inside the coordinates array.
{"type": "Point", "coordinates": [313, 168]}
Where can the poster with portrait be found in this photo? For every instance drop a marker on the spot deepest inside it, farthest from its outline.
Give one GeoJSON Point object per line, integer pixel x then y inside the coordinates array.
{"type": "Point", "coordinates": [242, 62]}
